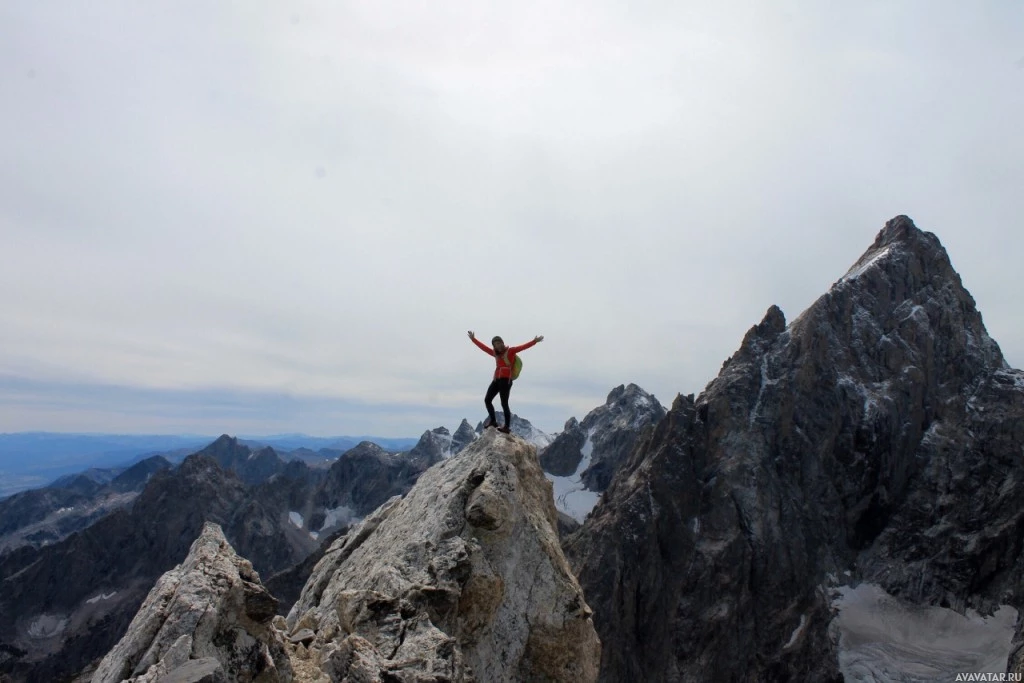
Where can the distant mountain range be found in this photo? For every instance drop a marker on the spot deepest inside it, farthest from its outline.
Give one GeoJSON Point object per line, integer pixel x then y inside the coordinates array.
{"type": "Point", "coordinates": [289, 442]}
{"type": "Point", "coordinates": [34, 459]}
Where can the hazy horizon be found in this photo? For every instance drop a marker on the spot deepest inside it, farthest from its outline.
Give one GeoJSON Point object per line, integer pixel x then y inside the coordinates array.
{"type": "Point", "coordinates": [280, 435]}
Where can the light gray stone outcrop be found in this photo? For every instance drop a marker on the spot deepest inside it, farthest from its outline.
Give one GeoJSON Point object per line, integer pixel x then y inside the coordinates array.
{"type": "Point", "coordinates": [462, 580]}
{"type": "Point", "coordinates": [208, 619]}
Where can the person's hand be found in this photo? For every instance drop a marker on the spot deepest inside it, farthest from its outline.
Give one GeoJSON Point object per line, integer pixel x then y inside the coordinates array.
{"type": "Point", "coordinates": [539, 338]}
{"type": "Point", "coordinates": [471, 335]}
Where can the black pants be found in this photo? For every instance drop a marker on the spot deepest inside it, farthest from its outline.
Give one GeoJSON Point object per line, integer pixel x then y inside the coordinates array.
{"type": "Point", "coordinates": [502, 386]}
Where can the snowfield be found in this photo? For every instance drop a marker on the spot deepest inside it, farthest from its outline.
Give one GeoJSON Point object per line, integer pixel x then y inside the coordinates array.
{"type": "Point", "coordinates": [883, 640]}
{"type": "Point", "coordinates": [571, 495]}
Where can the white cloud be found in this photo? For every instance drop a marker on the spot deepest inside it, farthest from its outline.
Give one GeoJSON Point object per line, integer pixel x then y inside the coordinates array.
{"type": "Point", "coordinates": [318, 200]}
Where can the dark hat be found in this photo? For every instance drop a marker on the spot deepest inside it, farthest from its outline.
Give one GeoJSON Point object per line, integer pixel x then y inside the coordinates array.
{"type": "Point", "coordinates": [496, 338]}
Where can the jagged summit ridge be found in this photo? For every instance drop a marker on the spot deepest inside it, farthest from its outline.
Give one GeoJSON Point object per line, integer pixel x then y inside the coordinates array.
{"type": "Point", "coordinates": [463, 578]}
{"type": "Point", "coordinates": [844, 442]}
{"type": "Point", "coordinates": [903, 288]}
{"type": "Point", "coordinates": [899, 244]}
{"type": "Point", "coordinates": [902, 229]}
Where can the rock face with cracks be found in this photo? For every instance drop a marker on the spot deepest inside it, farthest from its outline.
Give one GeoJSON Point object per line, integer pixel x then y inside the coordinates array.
{"type": "Point", "coordinates": [612, 431]}
{"type": "Point", "coordinates": [877, 437]}
{"type": "Point", "coordinates": [462, 580]}
{"type": "Point", "coordinates": [206, 620]}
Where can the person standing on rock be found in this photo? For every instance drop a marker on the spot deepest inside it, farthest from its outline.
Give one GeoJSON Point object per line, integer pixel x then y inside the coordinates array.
{"type": "Point", "coordinates": [505, 372]}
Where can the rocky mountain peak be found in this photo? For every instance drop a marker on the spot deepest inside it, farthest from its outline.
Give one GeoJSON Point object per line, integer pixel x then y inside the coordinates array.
{"type": "Point", "coordinates": [200, 467]}
{"type": "Point", "coordinates": [364, 477]}
{"type": "Point", "coordinates": [434, 445]}
{"type": "Point", "coordinates": [463, 436]}
{"type": "Point", "coordinates": [901, 295]}
{"type": "Point", "coordinates": [251, 466]}
{"type": "Point", "coordinates": [771, 326]}
{"type": "Point", "coordinates": [841, 445]}
{"type": "Point", "coordinates": [463, 579]}
{"type": "Point", "coordinates": [223, 444]}
{"type": "Point", "coordinates": [901, 229]}
{"type": "Point", "coordinates": [210, 615]}
{"type": "Point", "coordinates": [366, 449]}
{"type": "Point", "coordinates": [901, 235]}
{"type": "Point", "coordinates": [591, 450]}
{"type": "Point", "coordinates": [910, 258]}
{"type": "Point", "coordinates": [623, 393]}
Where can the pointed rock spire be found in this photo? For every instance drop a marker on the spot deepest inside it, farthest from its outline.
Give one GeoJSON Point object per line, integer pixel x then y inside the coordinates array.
{"type": "Point", "coordinates": [842, 445]}
{"type": "Point", "coordinates": [463, 436]}
{"type": "Point", "coordinates": [208, 616]}
{"type": "Point", "coordinates": [434, 446]}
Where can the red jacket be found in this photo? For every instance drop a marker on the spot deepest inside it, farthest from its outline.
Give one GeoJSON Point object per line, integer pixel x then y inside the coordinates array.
{"type": "Point", "coordinates": [506, 360]}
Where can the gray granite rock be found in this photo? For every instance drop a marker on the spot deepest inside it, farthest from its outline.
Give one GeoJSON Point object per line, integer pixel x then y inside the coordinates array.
{"type": "Point", "coordinates": [206, 620]}
{"type": "Point", "coordinates": [461, 580]}
{"type": "Point", "coordinates": [203, 670]}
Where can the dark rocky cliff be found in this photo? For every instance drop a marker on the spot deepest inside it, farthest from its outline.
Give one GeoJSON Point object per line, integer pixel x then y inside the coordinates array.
{"type": "Point", "coordinates": [878, 434]}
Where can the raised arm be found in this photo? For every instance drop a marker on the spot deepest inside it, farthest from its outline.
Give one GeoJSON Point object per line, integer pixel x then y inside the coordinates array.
{"type": "Point", "coordinates": [483, 347]}
{"type": "Point", "coordinates": [517, 349]}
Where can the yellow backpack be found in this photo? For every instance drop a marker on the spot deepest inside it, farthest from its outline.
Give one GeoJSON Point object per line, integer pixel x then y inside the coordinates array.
{"type": "Point", "coordinates": [517, 365]}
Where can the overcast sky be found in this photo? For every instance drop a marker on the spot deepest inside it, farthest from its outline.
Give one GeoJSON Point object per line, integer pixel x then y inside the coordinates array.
{"type": "Point", "coordinates": [263, 217]}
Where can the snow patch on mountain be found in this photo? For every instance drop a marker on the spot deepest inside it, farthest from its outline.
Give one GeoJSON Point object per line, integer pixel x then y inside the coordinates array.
{"type": "Point", "coordinates": [571, 495]}
{"type": "Point", "coordinates": [296, 519]}
{"type": "Point", "coordinates": [445, 443]}
{"type": "Point", "coordinates": [766, 382]}
{"type": "Point", "coordinates": [47, 626]}
{"type": "Point", "coordinates": [796, 632]}
{"type": "Point", "coordinates": [882, 639]}
{"type": "Point", "coordinates": [338, 517]}
{"type": "Point", "coordinates": [1010, 376]}
{"type": "Point", "coordinates": [866, 262]}
{"type": "Point", "coordinates": [101, 596]}
{"type": "Point", "coordinates": [536, 437]}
